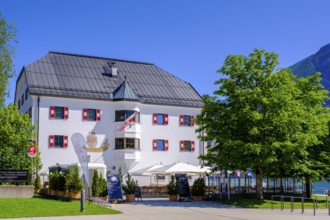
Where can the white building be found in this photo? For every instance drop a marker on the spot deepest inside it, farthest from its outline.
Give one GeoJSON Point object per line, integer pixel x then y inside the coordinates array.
{"type": "Point", "coordinates": [132, 114]}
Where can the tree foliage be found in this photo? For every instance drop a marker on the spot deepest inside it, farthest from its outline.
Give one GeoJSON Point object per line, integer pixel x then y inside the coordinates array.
{"type": "Point", "coordinates": [16, 133]}
{"type": "Point", "coordinates": [95, 184]}
{"type": "Point", "coordinates": [269, 121]}
{"type": "Point", "coordinates": [7, 35]}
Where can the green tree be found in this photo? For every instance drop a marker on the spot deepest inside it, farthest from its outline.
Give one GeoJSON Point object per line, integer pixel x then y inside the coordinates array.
{"type": "Point", "coordinates": [16, 132]}
{"type": "Point", "coordinates": [7, 35]}
{"type": "Point", "coordinates": [95, 184]}
{"type": "Point", "coordinates": [264, 123]}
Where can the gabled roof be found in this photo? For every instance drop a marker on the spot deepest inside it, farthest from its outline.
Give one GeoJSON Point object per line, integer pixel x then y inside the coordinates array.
{"type": "Point", "coordinates": [81, 76]}
{"type": "Point", "coordinates": [124, 92]}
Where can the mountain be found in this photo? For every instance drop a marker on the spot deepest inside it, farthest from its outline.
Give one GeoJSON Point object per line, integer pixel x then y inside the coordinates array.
{"type": "Point", "coordinates": [318, 62]}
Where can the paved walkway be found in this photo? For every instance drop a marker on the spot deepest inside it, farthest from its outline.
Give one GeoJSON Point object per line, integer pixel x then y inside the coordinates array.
{"type": "Point", "coordinates": [161, 209]}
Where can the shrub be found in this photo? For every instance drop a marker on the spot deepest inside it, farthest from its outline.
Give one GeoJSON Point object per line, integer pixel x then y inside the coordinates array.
{"type": "Point", "coordinates": [198, 187]}
{"type": "Point", "coordinates": [131, 185]}
{"type": "Point", "coordinates": [172, 187]}
{"type": "Point", "coordinates": [37, 183]}
{"type": "Point", "coordinates": [95, 184]}
{"type": "Point", "coordinates": [103, 186]}
{"type": "Point", "coordinates": [73, 181]}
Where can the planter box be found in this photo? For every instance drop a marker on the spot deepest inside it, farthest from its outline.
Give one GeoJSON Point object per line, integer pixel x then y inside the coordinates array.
{"type": "Point", "coordinates": [16, 191]}
{"type": "Point", "coordinates": [173, 198]}
{"type": "Point", "coordinates": [197, 198]}
{"type": "Point", "coordinates": [130, 197]}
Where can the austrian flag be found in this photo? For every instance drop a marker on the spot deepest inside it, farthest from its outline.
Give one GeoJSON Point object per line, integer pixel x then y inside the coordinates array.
{"type": "Point", "coordinates": [128, 122]}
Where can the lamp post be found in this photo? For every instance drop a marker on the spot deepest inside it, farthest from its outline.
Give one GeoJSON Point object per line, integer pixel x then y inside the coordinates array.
{"type": "Point", "coordinates": [32, 152]}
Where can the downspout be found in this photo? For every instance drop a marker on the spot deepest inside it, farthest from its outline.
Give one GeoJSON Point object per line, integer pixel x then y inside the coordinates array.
{"type": "Point", "coordinates": [38, 117]}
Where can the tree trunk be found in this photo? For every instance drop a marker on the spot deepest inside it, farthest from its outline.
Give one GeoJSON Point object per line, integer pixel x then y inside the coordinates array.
{"type": "Point", "coordinates": [308, 187]}
{"type": "Point", "coordinates": [259, 183]}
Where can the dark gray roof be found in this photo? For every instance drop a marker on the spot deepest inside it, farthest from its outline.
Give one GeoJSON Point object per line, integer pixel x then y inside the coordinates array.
{"type": "Point", "coordinates": [80, 76]}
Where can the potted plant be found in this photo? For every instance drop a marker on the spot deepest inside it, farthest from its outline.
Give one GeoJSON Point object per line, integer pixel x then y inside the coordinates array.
{"type": "Point", "coordinates": [130, 188]}
{"type": "Point", "coordinates": [60, 185]}
{"type": "Point", "coordinates": [53, 178]}
{"type": "Point", "coordinates": [103, 186]}
{"type": "Point", "coordinates": [198, 189]}
{"type": "Point", "coordinates": [73, 183]}
{"type": "Point", "coordinates": [95, 185]}
{"type": "Point", "coordinates": [37, 184]}
{"type": "Point", "coordinates": [172, 189]}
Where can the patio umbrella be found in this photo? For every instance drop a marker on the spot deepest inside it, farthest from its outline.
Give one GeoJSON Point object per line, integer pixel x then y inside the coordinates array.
{"type": "Point", "coordinates": [179, 167]}
{"type": "Point", "coordinates": [146, 171]}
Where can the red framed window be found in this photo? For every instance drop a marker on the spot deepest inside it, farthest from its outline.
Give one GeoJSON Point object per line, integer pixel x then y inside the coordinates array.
{"type": "Point", "coordinates": [187, 146]}
{"type": "Point", "coordinates": [58, 141]}
{"type": "Point", "coordinates": [57, 112]}
{"type": "Point", "coordinates": [159, 119]}
{"type": "Point", "coordinates": [91, 114]}
{"type": "Point", "coordinates": [187, 120]}
{"type": "Point", "coordinates": [159, 145]}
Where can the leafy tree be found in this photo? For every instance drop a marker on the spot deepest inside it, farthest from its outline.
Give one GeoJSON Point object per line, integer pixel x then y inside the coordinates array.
{"type": "Point", "coordinates": [264, 123]}
{"type": "Point", "coordinates": [95, 184]}
{"type": "Point", "coordinates": [7, 35]}
{"type": "Point", "coordinates": [16, 132]}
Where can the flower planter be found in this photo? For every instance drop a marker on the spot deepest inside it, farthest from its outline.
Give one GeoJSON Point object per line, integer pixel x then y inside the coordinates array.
{"type": "Point", "coordinates": [74, 195]}
{"type": "Point", "coordinates": [130, 197]}
{"type": "Point", "coordinates": [52, 192]}
{"type": "Point", "coordinates": [60, 193]}
{"type": "Point", "coordinates": [173, 198]}
{"type": "Point", "coordinates": [197, 198]}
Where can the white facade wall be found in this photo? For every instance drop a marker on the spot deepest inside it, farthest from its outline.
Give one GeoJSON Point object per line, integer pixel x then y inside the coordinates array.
{"type": "Point", "coordinates": [107, 128]}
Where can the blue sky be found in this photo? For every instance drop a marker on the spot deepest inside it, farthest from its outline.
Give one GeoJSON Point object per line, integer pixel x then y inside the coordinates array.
{"type": "Point", "coordinates": [188, 38]}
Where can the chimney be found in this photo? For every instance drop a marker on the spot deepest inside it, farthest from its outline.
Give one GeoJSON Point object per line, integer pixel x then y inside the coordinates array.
{"type": "Point", "coordinates": [113, 68]}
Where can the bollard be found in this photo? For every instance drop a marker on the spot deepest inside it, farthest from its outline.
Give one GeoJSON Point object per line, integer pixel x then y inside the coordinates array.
{"type": "Point", "coordinates": [314, 206]}
{"type": "Point", "coordinates": [82, 201]}
{"type": "Point", "coordinates": [292, 208]}
{"type": "Point", "coordinates": [302, 205]}
{"type": "Point", "coordinates": [328, 210]}
{"type": "Point", "coordinates": [272, 203]}
{"type": "Point", "coordinates": [326, 204]}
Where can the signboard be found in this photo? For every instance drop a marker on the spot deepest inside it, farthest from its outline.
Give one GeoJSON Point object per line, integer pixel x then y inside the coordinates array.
{"type": "Point", "coordinates": [183, 185]}
{"type": "Point", "coordinates": [114, 187]}
{"type": "Point", "coordinates": [32, 152]}
{"type": "Point", "coordinates": [14, 176]}
{"type": "Point", "coordinates": [79, 145]}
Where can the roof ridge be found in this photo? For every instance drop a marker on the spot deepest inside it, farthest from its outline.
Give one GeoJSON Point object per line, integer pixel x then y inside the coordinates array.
{"type": "Point", "coordinates": [98, 57]}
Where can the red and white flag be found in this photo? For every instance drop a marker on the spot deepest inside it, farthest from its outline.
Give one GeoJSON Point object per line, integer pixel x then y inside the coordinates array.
{"type": "Point", "coordinates": [128, 122]}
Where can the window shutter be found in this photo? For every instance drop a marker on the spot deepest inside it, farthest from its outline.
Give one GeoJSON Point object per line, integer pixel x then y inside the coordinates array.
{"type": "Point", "coordinates": [66, 112]}
{"type": "Point", "coordinates": [98, 115]}
{"type": "Point", "coordinates": [85, 110]}
{"type": "Point", "coordinates": [181, 120]}
{"type": "Point", "coordinates": [192, 118]}
{"type": "Point", "coordinates": [166, 145]}
{"type": "Point", "coordinates": [181, 145]}
{"type": "Point", "coordinates": [154, 145]}
{"type": "Point", "coordinates": [154, 119]}
{"type": "Point", "coordinates": [166, 119]}
{"type": "Point", "coordinates": [51, 140]}
{"type": "Point", "coordinates": [192, 146]}
{"type": "Point", "coordinates": [52, 112]}
{"type": "Point", "coordinates": [65, 141]}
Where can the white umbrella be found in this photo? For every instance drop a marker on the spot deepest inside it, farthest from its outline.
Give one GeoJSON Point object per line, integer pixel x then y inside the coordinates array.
{"type": "Point", "coordinates": [146, 170]}
{"type": "Point", "coordinates": [179, 167]}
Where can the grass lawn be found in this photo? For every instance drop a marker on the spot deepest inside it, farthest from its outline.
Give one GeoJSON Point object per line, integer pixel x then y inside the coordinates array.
{"type": "Point", "coordinates": [37, 207]}
{"type": "Point", "coordinates": [267, 204]}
